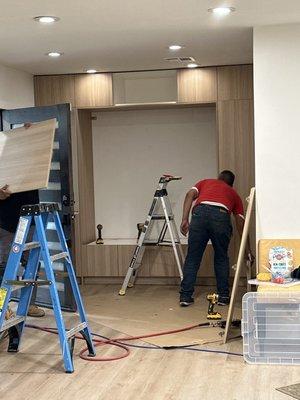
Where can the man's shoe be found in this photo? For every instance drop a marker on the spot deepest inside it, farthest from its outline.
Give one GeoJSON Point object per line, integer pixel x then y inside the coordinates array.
{"type": "Point", "coordinates": [9, 314]}
{"type": "Point", "coordinates": [186, 302]}
{"type": "Point", "coordinates": [223, 301]}
{"type": "Point", "coordinates": [35, 311]}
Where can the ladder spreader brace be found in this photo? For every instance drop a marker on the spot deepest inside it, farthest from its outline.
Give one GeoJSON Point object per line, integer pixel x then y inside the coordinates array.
{"type": "Point", "coordinates": [160, 199]}
{"type": "Point", "coordinates": [39, 251]}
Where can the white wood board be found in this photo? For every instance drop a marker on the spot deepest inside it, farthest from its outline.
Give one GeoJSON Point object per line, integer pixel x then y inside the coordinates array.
{"type": "Point", "coordinates": [25, 156]}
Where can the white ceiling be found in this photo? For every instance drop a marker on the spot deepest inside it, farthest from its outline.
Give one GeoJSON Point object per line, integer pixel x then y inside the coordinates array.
{"type": "Point", "coordinates": [119, 35]}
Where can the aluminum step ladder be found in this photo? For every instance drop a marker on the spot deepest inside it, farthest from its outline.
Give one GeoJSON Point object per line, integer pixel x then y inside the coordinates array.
{"type": "Point", "coordinates": [160, 201]}
{"type": "Point", "coordinates": [39, 252]}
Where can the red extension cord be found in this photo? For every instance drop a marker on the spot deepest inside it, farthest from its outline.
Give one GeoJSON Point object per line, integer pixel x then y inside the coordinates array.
{"type": "Point", "coordinates": [115, 341]}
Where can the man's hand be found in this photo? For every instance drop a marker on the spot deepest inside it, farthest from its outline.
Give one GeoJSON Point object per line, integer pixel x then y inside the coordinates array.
{"type": "Point", "coordinates": [249, 256]}
{"type": "Point", "coordinates": [184, 227]}
{"type": "Point", "coordinates": [4, 192]}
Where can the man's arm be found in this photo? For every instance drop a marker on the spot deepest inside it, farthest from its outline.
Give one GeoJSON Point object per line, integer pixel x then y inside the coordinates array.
{"type": "Point", "coordinates": [188, 201]}
{"type": "Point", "coordinates": [240, 222]}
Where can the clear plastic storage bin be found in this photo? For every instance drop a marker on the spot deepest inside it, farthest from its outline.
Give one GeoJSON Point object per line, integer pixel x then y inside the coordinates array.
{"type": "Point", "coordinates": [271, 328]}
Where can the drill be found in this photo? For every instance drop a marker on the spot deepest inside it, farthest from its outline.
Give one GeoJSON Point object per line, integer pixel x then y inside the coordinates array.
{"type": "Point", "coordinates": [212, 300]}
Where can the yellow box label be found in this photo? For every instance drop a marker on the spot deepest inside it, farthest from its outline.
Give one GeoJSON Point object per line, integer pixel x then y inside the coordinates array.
{"type": "Point", "coordinates": [3, 293]}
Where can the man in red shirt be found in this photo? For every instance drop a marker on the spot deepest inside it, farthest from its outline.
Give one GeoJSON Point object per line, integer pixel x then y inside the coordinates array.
{"type": "Point", "coordinates": [215, 200]}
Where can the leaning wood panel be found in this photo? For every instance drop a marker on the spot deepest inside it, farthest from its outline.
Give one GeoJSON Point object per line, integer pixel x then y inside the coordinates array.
{"type": "Point", "coordinates": [26, 156]}
{"type": "Point", "coordinates": [93, 90]}
{"type": "Point", "coordinates": [86, 206]}
{"type": "Point", "coordinates": [197, 85]}
{"type": "Point", "coordinates": [54, 89]}
{"type": "Point", "coordinates": [235, 82]}
{"type": "Point", "coordinates": [240, 262]}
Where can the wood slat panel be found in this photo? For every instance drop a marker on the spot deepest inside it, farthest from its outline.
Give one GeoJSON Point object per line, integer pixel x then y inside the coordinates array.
{"type": "Point", "coordinates": [54, 89]}
{"type": "Point", "coordinates": [236, 152]}
{"type": "Point", "coordinates": [125, 253]}
{"type": "Point", "coordinates": [92, 90]}
{"type": "Point", "coordinates": [197, 85]}
{"type": "Point", "coordinates": [235, 82]}
{"type": "Point", "coordinates": [236, 141]}
{"type": "Point", "coordinates": [101, 260]}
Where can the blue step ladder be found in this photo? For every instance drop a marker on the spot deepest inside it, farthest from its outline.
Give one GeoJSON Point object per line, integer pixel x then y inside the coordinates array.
{"type": "Point", "coordinates": [39, 252]}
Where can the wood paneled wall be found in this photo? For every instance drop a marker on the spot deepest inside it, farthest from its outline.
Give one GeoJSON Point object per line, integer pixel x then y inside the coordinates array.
{"type": "Point", "coordinates": [82, 90]}
{"type": "Point", "coordinates": [229, 87]}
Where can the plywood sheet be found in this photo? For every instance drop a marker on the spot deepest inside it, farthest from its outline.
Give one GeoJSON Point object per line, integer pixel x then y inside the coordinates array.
{"type": "Point", "coordinates": [25, 156]}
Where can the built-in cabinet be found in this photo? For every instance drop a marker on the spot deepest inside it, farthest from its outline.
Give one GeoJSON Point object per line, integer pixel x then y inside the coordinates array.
{"type": "Point", "coordinates": [229, 88]}
{"type": "Point", "coordinates": [82, 90]}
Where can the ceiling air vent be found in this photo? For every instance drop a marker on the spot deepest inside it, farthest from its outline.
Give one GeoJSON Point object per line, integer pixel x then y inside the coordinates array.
{"type": "Point", "coordinates": [180, 59]}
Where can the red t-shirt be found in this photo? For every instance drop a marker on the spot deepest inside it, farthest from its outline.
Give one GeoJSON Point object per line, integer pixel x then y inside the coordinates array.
{"type": "Point", "coordinates": [217, 191]}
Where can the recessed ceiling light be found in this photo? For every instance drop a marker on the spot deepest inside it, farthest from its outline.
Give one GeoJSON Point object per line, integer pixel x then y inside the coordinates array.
{"type": "Point", "coordinates": [192, 65]}
{"type": "Point", "coordinates": [175, 47]}
{"type": "Point", "coordinates": [221, 11]}
{"type": "Point", "coordinates": [91, 71]}
{"type": "Point", "coordinates": [54, 54]}
{"type": "Point", "coordinates": [46, 19]}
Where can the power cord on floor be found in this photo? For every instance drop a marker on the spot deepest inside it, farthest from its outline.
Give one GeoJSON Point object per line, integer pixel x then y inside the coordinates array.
{"type": "Point", "coordinates": [119, 342]}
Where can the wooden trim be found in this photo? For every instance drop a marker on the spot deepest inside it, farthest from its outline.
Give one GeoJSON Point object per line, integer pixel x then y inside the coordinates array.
{"type": "Point", "coordinates": [149, 106]}
{"type": "Point", "coordinates": [86, 206]}
{"type": "Point", "coordinates": [146, 70]}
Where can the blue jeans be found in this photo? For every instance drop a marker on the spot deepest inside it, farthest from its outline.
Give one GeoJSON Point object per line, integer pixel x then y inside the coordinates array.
{"type": "Point", "coordinates": [208, 223]}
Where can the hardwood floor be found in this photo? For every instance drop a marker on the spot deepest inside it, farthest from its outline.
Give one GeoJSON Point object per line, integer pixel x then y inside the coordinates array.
{"type": "Point", "coordinates": [36, 373]}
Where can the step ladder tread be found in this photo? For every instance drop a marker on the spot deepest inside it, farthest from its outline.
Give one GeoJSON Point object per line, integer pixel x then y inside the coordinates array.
{"type": "Point", "coordinates": [59, 256]}
{"type": "Point", "coordinates": [161, 217]}
{"type": "Point", "coordinates": [12, 322]}
{"type": "Point", "coordinates": [31, 245]}
{"type": "Point", "coordinates": [28, 282]}
{"type": "Point", "coordinates": [71, 332]}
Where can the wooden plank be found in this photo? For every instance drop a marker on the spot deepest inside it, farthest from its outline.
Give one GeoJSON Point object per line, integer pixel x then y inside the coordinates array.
{"type": "Point", "coordinates": [92, 90]}
{"type": "Point", "coordinates": [235, 82]}
{"type": "Point", "coordinates": [54, 89]}
{"type": "Point", "coordinates": [197, 85]}
{"type": "Point", "coordinates": [26, 156]}
{"type": "Point", "coordinates": [239, 265]}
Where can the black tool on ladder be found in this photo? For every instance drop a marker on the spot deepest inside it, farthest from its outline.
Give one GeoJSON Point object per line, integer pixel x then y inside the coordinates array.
{"type": "Point", "coordinates": [160, 200]}
{"type": "Point", "coordinates": [39, 252]}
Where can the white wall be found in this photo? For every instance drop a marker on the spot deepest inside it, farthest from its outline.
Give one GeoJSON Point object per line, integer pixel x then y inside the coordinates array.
{"type": "Point", "coordinates": [16, 88]}
{"type": "Point", "coordinates": [132, 149]}
{"type": "Point", "coordinates": [145, 87]}
{"type": "Point", "coordinates": [277, 130]}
